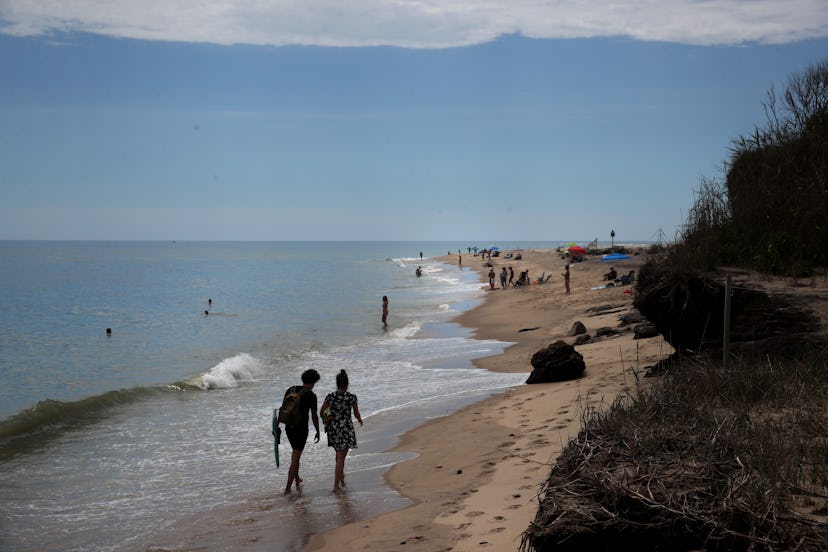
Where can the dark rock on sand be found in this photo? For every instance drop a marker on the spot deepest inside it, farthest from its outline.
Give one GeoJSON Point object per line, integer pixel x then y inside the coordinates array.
{"type": "Point", "coordinates": [577, 328]}
{"type": "Point", "coordinates": [557, 362]}
{"type": "Point", "coordinates": [645, 330]}
{"type": "Point", "coordinates": [632, 317]}
{"type": "Point", "coordinates": [606, 332]}
{"type": "Point", "coordinates": [582, 339]}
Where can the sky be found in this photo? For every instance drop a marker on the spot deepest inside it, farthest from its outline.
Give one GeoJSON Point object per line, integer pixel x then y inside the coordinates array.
{"type": "Point", "coordinates": [410, 120]}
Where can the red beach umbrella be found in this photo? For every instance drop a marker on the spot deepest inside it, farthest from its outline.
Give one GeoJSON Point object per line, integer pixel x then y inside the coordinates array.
{"type": "Point", "coordinates": [576, 250]}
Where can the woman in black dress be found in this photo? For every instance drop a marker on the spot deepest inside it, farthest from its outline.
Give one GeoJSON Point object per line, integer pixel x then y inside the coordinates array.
{"type": "Point", "coordinates": [336, 414]}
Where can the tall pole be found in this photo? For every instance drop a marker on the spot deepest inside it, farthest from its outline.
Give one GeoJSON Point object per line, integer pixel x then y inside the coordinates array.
{"type": "Point", "coordinates": [726, 336]}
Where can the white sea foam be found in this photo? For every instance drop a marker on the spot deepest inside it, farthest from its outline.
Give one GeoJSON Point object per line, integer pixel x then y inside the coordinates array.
{"type": "Point", "coordinates": [230, 372]}
{"type": "Point", "coordinates": [407, 331]}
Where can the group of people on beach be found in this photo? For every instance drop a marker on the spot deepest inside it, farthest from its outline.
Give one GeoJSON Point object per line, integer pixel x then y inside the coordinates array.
{"type": "Point", "coordinates": [336, 416]}
{"type": "Point", "coordinates": [507, 278]}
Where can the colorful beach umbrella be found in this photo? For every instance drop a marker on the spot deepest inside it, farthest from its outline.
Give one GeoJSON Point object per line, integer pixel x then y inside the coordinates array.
{"type": "Point", "coordinates": [577, 250]}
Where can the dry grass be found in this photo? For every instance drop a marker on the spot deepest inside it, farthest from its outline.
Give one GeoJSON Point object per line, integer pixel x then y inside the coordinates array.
{"type": "Point", "coordinates": [705, 459]}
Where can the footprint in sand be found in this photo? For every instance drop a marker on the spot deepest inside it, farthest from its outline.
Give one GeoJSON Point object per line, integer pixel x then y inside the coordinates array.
{"type": "Point", "coordinates": [499, 518]}
{"type": "Point", "coordinates": [246, 521]}
{"type": "Point", "coordinates": [497, 530]}
{"type": "Point", "coordinates": [475, 513]}
{"type": "Point", "coordinates": [506, 444]}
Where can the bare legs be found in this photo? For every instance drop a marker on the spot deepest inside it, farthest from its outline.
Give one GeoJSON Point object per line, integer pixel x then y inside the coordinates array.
{"type": "Point", "coordinates": [339, 472]}
{"type": "Point", "coordinates": [293, 471]}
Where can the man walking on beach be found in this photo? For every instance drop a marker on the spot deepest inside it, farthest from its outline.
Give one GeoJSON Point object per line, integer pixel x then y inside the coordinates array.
{"type": "Point", "coordinates": [385, 310]}
{"type": "Point", "coordinates": [566, 279]}
{"type": "Point", "coordinates": [297, 433]}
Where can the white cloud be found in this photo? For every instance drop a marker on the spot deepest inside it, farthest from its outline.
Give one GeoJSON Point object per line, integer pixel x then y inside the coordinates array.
{"type": "Point", "coordinates": [420, 23]}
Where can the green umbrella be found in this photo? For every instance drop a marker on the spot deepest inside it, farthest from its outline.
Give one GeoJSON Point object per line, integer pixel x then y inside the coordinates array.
{"type": "Point", "coordinates": [277, 434]}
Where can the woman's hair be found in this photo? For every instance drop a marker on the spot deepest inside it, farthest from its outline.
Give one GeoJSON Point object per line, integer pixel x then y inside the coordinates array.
{"type": "Point", "coordinates": [342, 380]}
{"type": "Point", "coordinates": [310, 376]}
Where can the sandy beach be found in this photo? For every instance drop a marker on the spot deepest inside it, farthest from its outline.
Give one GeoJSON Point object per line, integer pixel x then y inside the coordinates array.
{"type": "Point", "coordinates": [475, 479]}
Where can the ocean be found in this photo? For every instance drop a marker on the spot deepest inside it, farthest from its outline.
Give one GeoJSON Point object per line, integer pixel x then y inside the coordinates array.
{"type": "Point", "coordinates": [130, 440]}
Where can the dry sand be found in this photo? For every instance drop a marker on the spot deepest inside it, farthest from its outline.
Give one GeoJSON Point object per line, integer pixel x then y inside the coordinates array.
{"type": "Point", "coordinates": [476, 479]}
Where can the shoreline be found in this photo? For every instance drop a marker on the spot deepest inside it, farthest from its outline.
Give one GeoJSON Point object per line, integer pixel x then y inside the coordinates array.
{"type": "Point", "coordinates": [477, 473]}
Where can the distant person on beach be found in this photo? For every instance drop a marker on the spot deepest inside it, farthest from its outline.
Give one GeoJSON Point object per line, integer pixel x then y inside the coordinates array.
{"type": "Point", "coordinates": [503, 278]}
{"type": "Point", "coordinates": [460, 260]}
{"type": "Point", "coordinates": [421, 255]}
{"type": "Point", "coordinates": [491, 277]}
{"type": "Point", "coordinates": [340, 428]}
{"type": "Point", "coordinates": [511, 276]}
{"type": "Point", "coordinates": [298, 435]}
{"type": "Point", "coordinates": [210, 302]}
{"type": "Point", "coordinates": [523, 279]}
{"type": "Point", "coordinates": [566, 279]}
{"type": "Point", "coordinates": [385, 311]}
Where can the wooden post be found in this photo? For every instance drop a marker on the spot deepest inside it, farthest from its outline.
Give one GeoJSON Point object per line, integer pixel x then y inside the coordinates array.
{"type": "Point", "coordinates": [726, 336]}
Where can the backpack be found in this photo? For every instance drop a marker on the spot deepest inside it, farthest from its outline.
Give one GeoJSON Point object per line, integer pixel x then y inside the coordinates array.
{"type": "Point", "coordinates": [289, 413]}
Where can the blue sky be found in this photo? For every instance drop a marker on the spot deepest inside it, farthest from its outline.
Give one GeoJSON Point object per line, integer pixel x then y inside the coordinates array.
{"type": "Point", "coordinates": [380, 120]}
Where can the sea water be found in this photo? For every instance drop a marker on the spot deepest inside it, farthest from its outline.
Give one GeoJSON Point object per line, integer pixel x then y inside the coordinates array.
{"type": "Point", "coordinates": [109, 440]}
